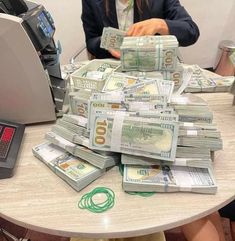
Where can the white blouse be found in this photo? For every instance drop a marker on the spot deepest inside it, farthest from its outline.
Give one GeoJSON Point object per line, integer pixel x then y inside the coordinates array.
{"type": "Point", "coordinates": [125, 17]}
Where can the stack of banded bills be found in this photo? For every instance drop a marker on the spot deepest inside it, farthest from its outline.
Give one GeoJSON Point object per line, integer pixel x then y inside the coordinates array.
{"type": "Point", "coordinates": [75, 171]}
{"type": "Point", "coordinates": [75, 119]}
{"type": "Point", "coordinates": [223, 83]}
{"type": "Point", "coordinates": [146, 161]}
{"type": "Point", "coordinates": [70, 135]}
{"type": "Point", "coordinates": [149, 53]}
{"type": "Point", "coordinates": [202, 82]}
{"type": "Point", "coordinates": [79, 102]}
{"type": "Point", "coordinates": [112, 38]}
{"type": "Point", "coordinates": [166, 178]}
{"type": "Point", "coordinates": [94, 158]}
{"type": "Point", "coordinates": [135, 135]}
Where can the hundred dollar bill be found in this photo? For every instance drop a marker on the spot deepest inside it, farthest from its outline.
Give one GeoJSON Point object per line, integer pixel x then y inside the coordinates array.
{"type": "Point", "coordinates": [144, 87]}
{"type": "Point", "coordinates": [112, 38]}
{"type": "Point", "coordinates": [118, 81]}
{"type": "Point", "coordinates": [132, 135]}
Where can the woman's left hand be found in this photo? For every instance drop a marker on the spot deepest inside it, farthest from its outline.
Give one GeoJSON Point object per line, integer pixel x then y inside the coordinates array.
{"type": "Point", "coordinates": [149, 27]}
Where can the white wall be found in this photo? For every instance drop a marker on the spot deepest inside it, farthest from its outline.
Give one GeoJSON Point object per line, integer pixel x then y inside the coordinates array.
{"type": "Point", "coordinates": [215, 19]}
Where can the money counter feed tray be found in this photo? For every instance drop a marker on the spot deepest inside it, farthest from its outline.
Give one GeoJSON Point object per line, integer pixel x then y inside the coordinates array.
{"type": "Point", "coordinates": [11, 135]}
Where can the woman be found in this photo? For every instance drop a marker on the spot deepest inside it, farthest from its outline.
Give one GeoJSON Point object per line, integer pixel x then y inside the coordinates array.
{"type": "Point", "coordinates": [229, 212]}
{"type": "Point", "coordinates": [138, 18]}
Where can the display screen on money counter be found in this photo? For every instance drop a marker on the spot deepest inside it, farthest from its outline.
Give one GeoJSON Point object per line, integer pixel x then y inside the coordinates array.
{"type": "Point", "coordinates": [46, 23]}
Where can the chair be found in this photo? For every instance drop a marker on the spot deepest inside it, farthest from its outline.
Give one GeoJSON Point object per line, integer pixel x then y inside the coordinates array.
{"type": "Point", "coordinates": [79, 52]}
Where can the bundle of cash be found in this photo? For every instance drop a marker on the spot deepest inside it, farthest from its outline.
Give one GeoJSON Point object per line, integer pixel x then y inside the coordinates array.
{"type": "Point", "coordinates": [70, 135]}
{"type": "Point", "coordinates": [195, 114]}
{"type": "Point", "coordinates": [79, 102]}
{"type": "Point", "coordinates": [135, 135]}
{"type": "Point", "coordinates": [193, 152]}
{"type": "Point", "coordinates": [96, 159]}
{"type": "Point", "coordinates": [76, 172]}
{"type": "Point", "coordinates": [80, 130]}
{"type": "Point", "coordinates": [112, 38]}
{"type": "Point", "coordinates": [165, 178]}
{"type": "Point", "coordinates": [213, 144]}
{"type": "Point", "coordinates": [149, 53]}
{"type": "Point", "coordinates": [223, 83]}
{"type": "Point", "coordinates": [75, 119]}
{"type": "Point", "coordinates": [199, 82]}
{"type": "Point", "coordinates": [146, 161]}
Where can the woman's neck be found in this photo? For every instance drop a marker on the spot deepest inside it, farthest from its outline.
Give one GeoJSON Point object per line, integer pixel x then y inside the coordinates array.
{"type": "Point", "coordinates": [124, 1]}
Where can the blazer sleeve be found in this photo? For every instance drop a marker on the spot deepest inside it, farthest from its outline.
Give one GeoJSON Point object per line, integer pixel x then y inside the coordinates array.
{"type": "Point", "coordinates": [180, 23]}
{"type": "Point", "coordinates": [92, 25]}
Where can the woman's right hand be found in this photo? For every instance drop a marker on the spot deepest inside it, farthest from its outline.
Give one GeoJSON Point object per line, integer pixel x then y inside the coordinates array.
{"type": "Point", "coordinates": [115, 53]}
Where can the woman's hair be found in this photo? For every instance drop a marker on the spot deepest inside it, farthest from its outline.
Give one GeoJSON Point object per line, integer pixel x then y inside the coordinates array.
{"type": "Point", "coordinates": [139, 4]}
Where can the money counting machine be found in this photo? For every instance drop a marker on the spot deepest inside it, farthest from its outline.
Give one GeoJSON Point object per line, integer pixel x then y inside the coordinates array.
{"type": "Point", "coordinates": [31, 86]}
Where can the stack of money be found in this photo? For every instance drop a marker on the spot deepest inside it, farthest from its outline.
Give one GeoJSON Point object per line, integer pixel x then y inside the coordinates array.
{"type": "Point", "coordinates": [223, 83]}
{"type": "Point", "coordinates": [79, 102]}
{"type": "Point", "coordinates": [201, 137]}
{"type": "Point", "coordinates": [146, 161]}
{"type": "Point", "coordinates": [165, 178]}
{"type": "Point", "coordinates": [135, 135]}
{"type": "Point", "coordinates": [70, 135]}
{"type": "Point", "coordinates": [94, 158]}
{"type": "Point", "coordinates": [201, 82]}
{"type": "Point", "coordinates": [149, 53]}
{"type": "Point", "coordinates": [112, 38]}
{"type": "Point", "coordinates": [75, 171]}
{"type": "Point", "coordinates": [75, 119]}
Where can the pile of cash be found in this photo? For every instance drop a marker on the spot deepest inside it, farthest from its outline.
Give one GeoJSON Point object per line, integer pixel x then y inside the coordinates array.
{"type": "Point", "coordinates": [165, 139]}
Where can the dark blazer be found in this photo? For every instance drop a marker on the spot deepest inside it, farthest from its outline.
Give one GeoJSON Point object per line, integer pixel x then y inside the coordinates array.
{"type": "Point", "coordinates": [94, 20]}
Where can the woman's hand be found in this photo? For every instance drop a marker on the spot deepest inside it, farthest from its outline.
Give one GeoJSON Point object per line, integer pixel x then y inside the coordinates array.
{"type": "Point", "coordinates": [115, 53]}
{"type": "Point", "coordinates": [149, 27]}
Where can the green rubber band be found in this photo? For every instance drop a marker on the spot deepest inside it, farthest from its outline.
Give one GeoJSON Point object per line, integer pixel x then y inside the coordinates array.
{"type": "Point", "coordinates": [86, 201]}
{"type": "Point", "coordinates": [142, 194]}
